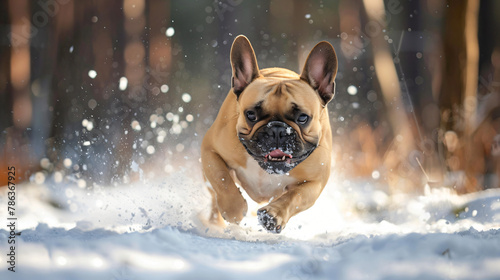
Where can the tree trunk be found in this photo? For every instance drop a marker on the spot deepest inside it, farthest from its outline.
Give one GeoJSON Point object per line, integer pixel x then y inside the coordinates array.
{"type": "Point", "coordinates": [459, 87]}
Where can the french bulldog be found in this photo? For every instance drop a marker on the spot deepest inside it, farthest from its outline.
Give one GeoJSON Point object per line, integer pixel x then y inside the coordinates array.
{"type": "Point", "coordinates": [272, 136]}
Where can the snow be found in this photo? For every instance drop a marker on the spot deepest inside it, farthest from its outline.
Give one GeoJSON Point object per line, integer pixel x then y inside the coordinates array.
{"type": "Point", "coordinates": [170, 32]}
{"type": "Point", "coordinates": [152, 230]}
{"type": "Point", "coordinates": [92, 74]}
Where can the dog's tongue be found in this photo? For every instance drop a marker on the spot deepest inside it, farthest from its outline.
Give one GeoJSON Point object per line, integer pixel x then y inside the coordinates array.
{"type": "Point", "coordinates": [278, 154]}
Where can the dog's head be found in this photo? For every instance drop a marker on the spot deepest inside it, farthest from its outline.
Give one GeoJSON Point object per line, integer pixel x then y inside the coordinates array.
{"type": "Point", "coordinates": [281, 114]}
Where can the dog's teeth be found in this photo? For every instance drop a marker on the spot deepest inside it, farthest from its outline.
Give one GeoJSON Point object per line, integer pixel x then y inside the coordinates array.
{"type": "Point", "coordinates": [269, 157]}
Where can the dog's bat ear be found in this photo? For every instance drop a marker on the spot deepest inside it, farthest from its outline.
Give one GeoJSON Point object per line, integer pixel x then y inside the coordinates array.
{"type": "Point", "coordinates": [320, 70]}
{"type": "Point", "coordinates": [243, 63]}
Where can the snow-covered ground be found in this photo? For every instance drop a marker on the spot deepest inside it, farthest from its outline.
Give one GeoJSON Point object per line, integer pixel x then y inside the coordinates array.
{"type": "Point", "coordinates": [152, 230]}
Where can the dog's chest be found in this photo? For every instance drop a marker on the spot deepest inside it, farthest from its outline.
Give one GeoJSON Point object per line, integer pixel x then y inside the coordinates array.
{"type": "Point", "coordinates": [260, 185]}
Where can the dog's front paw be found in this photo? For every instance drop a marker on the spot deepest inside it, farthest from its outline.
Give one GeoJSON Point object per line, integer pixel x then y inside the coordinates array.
{"type": "Point", "coordinates": [270, 219]}
{"type": "Point", "coordinates": [234, 212]}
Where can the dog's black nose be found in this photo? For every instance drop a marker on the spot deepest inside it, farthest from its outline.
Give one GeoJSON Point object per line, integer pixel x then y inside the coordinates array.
{"type": "Point", "coordinates": [278, 131]}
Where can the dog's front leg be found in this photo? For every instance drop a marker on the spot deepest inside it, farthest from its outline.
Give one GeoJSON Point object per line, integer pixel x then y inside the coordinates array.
{"type": "Point", "coordinates": [227, 197]}
{"type": "Point", "coordinates": [276, 214]}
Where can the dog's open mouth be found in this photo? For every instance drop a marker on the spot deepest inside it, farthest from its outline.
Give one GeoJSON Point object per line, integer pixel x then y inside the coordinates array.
{"type": "Point", "coordinates": [277, 156]}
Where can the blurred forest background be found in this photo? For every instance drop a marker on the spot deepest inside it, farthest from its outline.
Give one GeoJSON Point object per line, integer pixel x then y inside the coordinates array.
{"type": "Point", "coordinates": [115, 91]}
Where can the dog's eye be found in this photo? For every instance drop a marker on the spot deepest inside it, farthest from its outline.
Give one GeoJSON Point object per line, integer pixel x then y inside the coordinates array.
{"type": "Point", "coordinates": [302, 119]}
{"type": "Point", "coordinates": [251, 116]}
